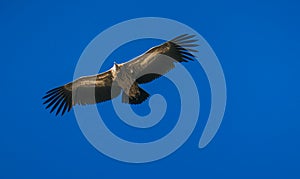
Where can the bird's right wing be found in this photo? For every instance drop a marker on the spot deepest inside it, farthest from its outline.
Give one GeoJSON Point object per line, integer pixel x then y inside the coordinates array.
{"type": "Point", "coordinates": [158, 60]}
{"type": "Point", "coordinates": [84, 90]}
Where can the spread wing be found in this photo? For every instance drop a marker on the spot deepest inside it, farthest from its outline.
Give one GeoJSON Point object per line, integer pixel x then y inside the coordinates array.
{"type": "Point", "coordinates": [160, 59]}
{"type": "Point", "coordinates": [85, 90]}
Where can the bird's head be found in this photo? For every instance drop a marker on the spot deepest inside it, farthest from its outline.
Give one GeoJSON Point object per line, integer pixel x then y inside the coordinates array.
{"type": "Point", "coordinates": [116, 66]}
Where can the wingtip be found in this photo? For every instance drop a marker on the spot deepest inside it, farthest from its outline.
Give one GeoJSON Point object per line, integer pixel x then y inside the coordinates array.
{"type": "Point", "coordinates": [183, 37]}
{"type": "Point", "coordinates": [57, 100]}
{"type": "Point", "coordinates": [52, 90]}
{"type": "Point", "coordinates": [186, 44]}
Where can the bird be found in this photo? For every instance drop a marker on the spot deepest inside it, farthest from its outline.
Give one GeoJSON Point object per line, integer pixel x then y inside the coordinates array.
{"type": "Point", "coordinates": [124, 78]}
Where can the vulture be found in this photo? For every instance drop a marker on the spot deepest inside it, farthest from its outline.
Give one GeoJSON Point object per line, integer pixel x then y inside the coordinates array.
{"type": "Point", "coordinates": [123, 78]}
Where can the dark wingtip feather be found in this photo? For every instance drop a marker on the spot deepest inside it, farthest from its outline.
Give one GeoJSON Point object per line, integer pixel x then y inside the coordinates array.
{"type": "Point", "coordinates": [182, 38]}
{"type": "Point", "coordinates": [187, 57]}
{"type": "Point", "coordinates": [188, 45]}
{"type": "Point", "coordinates": [52, 101]}
{"type": "Point", "coordinates": [189, 41]}
{"type": "Point", "coordinates": [191, 50]}
{"type": "Point", "coordinates": [62, 103]}
{"type": "Point", "coordinates": [52, 90]}
{"type": "Point", "coordinates": [58, 99]}
{"type": "Point", "coordinates": [57, 102]}
{"type": "Point", "coordinates": [179, 37]}
{"type": "Point", "coordinates": [185, 45]}
{"type": "Point", "coordinates": [64, 109]}
{"type": "Point", "coordinates": [187, 53]}
{"type": "Point", "coordinates": [51, 93]}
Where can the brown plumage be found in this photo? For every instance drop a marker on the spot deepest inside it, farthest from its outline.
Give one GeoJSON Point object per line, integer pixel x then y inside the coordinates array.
{"type": "Point", "coordinates": [124, 77]}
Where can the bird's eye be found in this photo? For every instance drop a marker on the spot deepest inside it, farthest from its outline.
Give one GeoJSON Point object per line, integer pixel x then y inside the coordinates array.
{"type": "Point", "coordinates": [131, 71]}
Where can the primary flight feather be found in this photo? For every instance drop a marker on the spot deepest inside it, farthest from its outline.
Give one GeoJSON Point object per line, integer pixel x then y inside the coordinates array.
{"type": "Point", "coordinates": [124, 77]}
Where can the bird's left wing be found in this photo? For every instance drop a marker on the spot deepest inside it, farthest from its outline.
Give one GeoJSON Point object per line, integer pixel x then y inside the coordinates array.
{"type": "Point", "coordinates": [160, 59]}
{"type": "Point", "coordinates": [85, 90]}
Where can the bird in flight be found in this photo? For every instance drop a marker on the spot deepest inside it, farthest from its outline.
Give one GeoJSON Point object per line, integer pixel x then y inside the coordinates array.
{"type": "Point", "coordinates": [124, 77]}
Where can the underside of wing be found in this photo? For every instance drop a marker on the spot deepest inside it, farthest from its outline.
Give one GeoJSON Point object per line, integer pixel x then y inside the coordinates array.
{"type": "Point", "coordinates": [85, 90]}
{"type": "Point", "coordinates": [159, 60]}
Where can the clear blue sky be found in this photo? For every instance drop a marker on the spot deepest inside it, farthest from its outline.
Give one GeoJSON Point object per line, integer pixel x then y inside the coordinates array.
{"type": "Point", "coordinates": [257, 43]}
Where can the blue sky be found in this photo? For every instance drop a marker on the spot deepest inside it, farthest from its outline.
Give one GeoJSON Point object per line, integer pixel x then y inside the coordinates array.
{"type": "Point", "coordinates": [257, 43]}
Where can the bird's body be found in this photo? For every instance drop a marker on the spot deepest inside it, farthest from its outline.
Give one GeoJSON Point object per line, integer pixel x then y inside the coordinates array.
{"type": "Point", "coordinates": [124, 77]}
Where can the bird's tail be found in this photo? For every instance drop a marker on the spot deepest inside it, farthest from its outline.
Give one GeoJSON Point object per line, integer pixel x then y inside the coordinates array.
{"type": "Point", "coordinates": [140, 96]}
